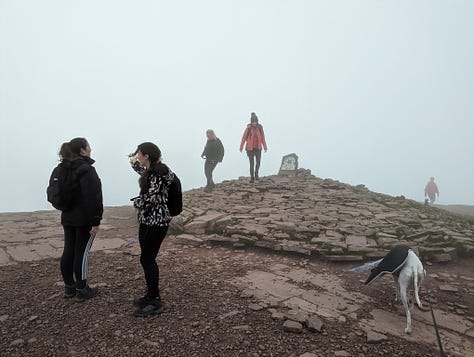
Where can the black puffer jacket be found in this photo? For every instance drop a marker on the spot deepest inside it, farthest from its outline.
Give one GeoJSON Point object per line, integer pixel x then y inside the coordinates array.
{"type": "Point", "coordinates": [214, 150]}
{"type": "Point", "coordinates": [88, 208]}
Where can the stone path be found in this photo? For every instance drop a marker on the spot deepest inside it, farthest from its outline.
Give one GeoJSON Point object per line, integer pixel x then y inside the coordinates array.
{"type": "Point", "coordinates": [38, 235]}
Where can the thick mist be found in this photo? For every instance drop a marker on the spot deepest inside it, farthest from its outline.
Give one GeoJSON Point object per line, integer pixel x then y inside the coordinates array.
{"type": "Point", "coordinates": [375, 93]}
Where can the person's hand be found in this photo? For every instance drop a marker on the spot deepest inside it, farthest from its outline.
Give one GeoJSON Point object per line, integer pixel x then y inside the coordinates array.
{"type": "Point", "coordinates": [240, 150]}
{"type": "Point", "coordinates": [265, 150]}
{"type": "Point", "coordinates": [132, 158]}
{"type": "Point", "coordinates": [94, 230]}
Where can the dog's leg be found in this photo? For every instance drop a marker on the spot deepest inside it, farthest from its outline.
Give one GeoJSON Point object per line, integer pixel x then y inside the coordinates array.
{"type": "Point", "coordinates": [395, 280]}
{"type": "Point", "coordinates": [417, 280]}
{"type": "Point", "coordinates": [404, 280]}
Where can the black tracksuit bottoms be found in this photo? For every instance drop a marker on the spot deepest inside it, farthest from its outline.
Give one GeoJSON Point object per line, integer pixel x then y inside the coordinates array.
{"type": "Point", "coordinates": [77, 245]}
{"type": "Point", "coordinates": [209, 167]}
{"type": "Point", "coordinates": [150, 238]}
{"type": "Point", "coordinates": [254, 159]}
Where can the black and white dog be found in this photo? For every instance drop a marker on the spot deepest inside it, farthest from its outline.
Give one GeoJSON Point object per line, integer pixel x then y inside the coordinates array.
{"type": "Point", "coordinates": [405, 267]}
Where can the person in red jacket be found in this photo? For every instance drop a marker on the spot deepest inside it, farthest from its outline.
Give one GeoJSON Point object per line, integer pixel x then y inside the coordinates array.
{"type": "Point", "coordinates": [431, 190]}
{"type": "Point", "coordinates": [254, 138]}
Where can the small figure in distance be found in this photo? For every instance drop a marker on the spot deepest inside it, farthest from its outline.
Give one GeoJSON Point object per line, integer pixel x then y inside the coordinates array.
{"type": "Point", "coordinates": [431, 190]}
{"type": "Point", "coordinates": [254, 138]}
{"type": "Point", "coordinates": [213, 153]}
{"type": "Point", "coordinates": [153, 218]}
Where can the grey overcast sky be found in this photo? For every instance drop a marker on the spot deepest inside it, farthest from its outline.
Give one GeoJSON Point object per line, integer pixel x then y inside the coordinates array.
{"type": "Point", "coordinates": [365, 92]}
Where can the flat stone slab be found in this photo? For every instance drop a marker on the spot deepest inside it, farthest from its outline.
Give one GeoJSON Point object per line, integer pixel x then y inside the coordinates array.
{"type": "Point", "coordinates": [359, 241]}
{"type": "Point", "coordinates": [188, 239]}
{"type": "Point", "coordinates": [45, 250]}
{"type": "Point", "coordinates": [264, 285]}
{"type": "Point", "coordinates": [107, 244]}
{"type": "Point", "coordinates": [22, 253]}
{"type": "Point", "coordinates": [4, 258]}
{"type": "Point", "coordinates": [452, 328]}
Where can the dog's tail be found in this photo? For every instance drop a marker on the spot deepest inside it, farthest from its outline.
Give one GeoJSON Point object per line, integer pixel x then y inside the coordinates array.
{"type": "Point", "coordinates": [365, 267]}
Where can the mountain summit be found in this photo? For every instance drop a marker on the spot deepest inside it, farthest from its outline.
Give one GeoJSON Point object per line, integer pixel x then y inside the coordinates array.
{"type": "Point", "coordinates": [320, 217]}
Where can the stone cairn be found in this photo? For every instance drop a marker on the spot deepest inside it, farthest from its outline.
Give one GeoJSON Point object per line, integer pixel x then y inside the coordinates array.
{"type": "Point", "coordinates": [297, 212]}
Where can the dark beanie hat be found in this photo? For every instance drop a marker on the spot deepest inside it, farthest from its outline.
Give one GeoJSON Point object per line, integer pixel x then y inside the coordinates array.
{"type": "Point", "coordinates": [253, 118]}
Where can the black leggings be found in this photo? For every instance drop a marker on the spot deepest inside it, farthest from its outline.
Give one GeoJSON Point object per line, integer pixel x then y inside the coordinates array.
{"type": "Point", "coordinates": [209, 167]}
{"type": "Point", "coordinates": [257, 154]}
{"type": "Point", "coordinates": [77, 245]}
{"type": "Point", "coordinates": [150, 238]}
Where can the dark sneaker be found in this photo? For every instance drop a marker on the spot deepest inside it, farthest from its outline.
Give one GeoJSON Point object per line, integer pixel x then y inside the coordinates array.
{"type": "Point", "coordinates": [150, 307]}
{"type": "Point", "coordinates": [86, 293]}
{"type": "Point", "coordinates": [141, 301]}
{"type": "Point", "coordinates": [256, 176]}
{"type": "Point", "coordinates": [252, 180]}
{"type": "Point", "coordinates": [69, 291]}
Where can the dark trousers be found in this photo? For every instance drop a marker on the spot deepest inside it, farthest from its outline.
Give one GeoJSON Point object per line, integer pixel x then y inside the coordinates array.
{"type": "Point", "coordinates": [209, 167]}
{"type": "Point", "coordinates": [150, 238]}
{"type": "Point", "coordinates": [77, 245]}
{"type": "Point", "coordinates": [254, 159]}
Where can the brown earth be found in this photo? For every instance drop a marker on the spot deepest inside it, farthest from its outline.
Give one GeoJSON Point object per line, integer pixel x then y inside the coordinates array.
{"type": "Point", "coordinates": [206, 315]}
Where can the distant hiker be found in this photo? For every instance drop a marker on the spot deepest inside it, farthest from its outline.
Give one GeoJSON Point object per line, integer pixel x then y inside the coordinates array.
{"type": "Point", "coordinates": [76, 190]}
{"type": "Point", "coordinates": [254, 137]}
{"type": "Point", "coordinates": [153, 218]}
{"type": "Point", "coordinates": [431, 190]}
{"type": "Point", "coordinates": [213, 153]}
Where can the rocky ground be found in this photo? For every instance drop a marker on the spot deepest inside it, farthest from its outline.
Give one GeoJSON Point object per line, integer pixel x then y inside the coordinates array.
{"type": "Point", "coordinates": [206, 314]}
{"type": "Point", "coordinates": [245, 278]}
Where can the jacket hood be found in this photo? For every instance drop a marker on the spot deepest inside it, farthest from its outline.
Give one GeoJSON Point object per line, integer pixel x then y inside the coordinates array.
{"type": "Point", "coordinates": [77, 162]}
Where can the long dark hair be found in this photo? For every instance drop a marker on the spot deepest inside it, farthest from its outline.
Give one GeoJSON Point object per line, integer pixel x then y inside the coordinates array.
{"type": "Point", "coordinates": [72, 149]}
{"type": "Point", "coordinates": [156, 166]}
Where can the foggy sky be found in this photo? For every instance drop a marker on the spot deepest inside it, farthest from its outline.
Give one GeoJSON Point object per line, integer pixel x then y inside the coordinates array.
{"type": "Point", "coordinates": [365, 92]}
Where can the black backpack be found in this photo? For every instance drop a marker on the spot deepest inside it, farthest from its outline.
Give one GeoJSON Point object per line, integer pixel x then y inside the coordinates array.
{"type": "Point", "coordinates": [175, 197]}
{"type": "Point", "coordinates": [63, 187]}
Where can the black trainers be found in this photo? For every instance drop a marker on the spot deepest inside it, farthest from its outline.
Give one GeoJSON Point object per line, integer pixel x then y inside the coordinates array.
{"type": "Point", "coordinates": [149, 307]}
{"type": "Point", "coordinates": [252, 180]}
{"type": "Point", "coordinates": [69, 291]}
{"type": "Point", "coordinates": [256, 176]}
{"type": "Point", "coordinates": [86, 293]}
{"type": "Point", "coordinates": [141, 301]}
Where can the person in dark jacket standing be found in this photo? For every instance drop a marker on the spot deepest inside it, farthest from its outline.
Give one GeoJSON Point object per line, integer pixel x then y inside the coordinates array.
{"type": "Point", "coordinates": [81, 222]}
{"type": "Point", "coordinates": [213, 153]}
{"type": "Point", "coordinates": [153, 219]}
{"type": "Point", "coordinates": [254, 138]}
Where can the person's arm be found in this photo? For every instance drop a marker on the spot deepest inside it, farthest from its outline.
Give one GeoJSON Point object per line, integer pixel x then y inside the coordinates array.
{"type": "Point", "coordinates": [204, 152]}
{"type": "Point", "coordinates": [244, 138]}
{"type": "Point", "coordinates": [91, 190]}
{"type": "Point", "coordinates": [264, 143]}
{"type": "Point", "coordinates": [221, 150]}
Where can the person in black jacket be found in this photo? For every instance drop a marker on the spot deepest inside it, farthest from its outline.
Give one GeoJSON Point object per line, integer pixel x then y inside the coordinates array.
{"type": "Point", "coordinates": [213, 153]}
{"type": "Point", "coordinates": [81, 222]}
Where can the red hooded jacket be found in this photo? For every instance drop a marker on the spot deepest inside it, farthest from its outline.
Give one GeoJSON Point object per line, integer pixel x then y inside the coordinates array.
{"type": "Point", "coordinates": [254, 137]}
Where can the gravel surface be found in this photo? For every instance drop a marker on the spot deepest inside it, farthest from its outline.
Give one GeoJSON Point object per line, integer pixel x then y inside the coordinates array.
{"type": "Point", "coordinates": [205, 315]}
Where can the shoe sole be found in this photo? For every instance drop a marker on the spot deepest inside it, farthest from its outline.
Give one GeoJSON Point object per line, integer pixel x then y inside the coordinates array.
{"type": "Point", "coordinates": [139, 313]}
{"type": "Point", "coordinates": [76, 299]}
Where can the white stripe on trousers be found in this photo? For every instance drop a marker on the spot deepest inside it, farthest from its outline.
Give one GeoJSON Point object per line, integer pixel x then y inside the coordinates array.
{"type": "Point", "coordinates": [85, 257]}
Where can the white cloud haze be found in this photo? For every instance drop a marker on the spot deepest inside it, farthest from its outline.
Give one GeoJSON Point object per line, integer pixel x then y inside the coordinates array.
{"type": "Point", "coordinates": [365, 92]}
